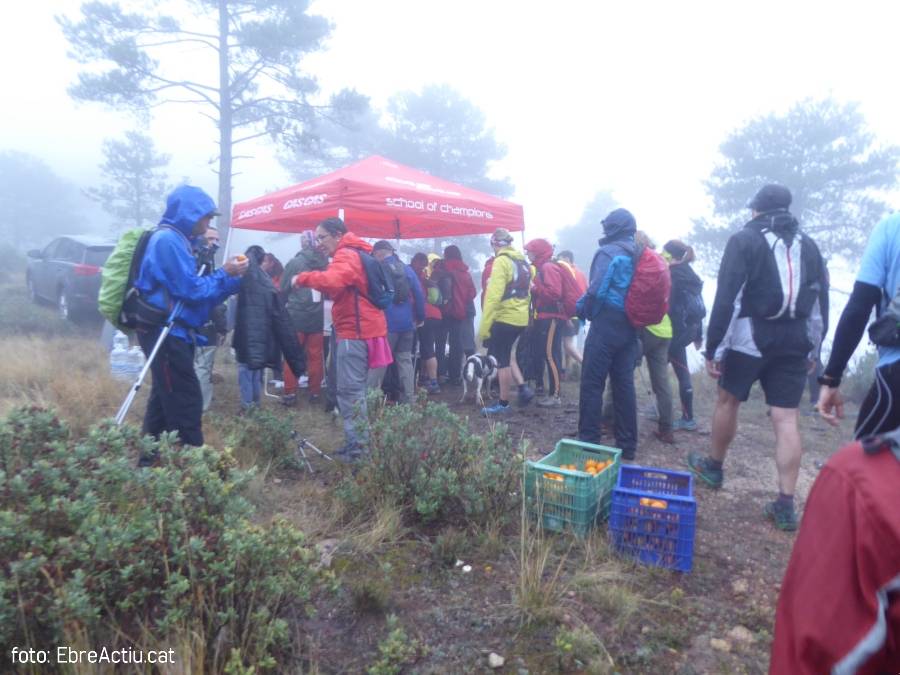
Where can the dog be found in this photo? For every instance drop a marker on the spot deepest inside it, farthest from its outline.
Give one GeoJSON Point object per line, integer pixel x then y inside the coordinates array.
{"type": "Point", "coordinates": [479, 371]}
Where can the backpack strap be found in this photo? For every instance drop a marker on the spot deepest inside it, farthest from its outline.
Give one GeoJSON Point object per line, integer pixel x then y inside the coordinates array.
{"type": "Point", "coordinates": [890, 440]}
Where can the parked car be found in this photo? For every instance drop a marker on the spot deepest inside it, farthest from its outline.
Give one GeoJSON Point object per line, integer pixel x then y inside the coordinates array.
{"type": "Point", "coordinates": [67, 274]}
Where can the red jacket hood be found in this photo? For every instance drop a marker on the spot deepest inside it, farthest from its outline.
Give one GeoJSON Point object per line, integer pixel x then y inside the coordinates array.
{"type": "Point", "coordinates": [542, 249]}
{"type": "Point", "coordinates": [350, 240]}
{"type": "Point", "coordinates": [455, 265]}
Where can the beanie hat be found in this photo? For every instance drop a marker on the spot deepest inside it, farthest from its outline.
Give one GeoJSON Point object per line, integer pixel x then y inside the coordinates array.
{"type": "Point", "coordinates": [770, 198]}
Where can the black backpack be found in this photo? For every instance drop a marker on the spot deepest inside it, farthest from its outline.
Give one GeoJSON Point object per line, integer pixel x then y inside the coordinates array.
{"type": "Point", "coordinates": [520, 286]}
{"type": "Point", "coordinates": [885, 330]}
{"type": "Point", "coordinates": [380, 280]}
{"type": "Point", "coordinates": [401, 283]}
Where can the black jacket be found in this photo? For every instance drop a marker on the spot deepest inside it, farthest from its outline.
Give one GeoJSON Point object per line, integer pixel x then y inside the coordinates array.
{"type": "Point", "coordinates": [748, 268]}
{"type": "Point", "coordinates": [685, 284]}
{"type": "Point", "coordinates": [262, 330]}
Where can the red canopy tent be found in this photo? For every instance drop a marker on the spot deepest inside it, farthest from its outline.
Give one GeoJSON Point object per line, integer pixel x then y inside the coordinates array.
{"type": "Point", "coordinates": [379, 198]}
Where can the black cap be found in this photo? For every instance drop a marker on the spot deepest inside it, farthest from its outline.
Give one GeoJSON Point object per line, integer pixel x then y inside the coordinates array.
{"type": "Point", "coordinates": [770, 197]}
{"type": "Point", "coordinates": [382, 245]}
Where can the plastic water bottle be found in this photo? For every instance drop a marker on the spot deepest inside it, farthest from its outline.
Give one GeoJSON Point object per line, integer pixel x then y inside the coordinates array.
{"type": "Point", "coordinates": [136, 361]}
{"type": "Point", "coordinates": [119, 358]}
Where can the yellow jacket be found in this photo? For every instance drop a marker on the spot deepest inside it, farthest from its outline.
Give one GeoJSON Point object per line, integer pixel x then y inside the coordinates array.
{"type": "Point", "coordinates": [513, 311]}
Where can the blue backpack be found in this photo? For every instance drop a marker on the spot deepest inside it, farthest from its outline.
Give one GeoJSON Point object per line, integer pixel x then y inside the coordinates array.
{"type": "Point", "coordinates": [379, 279]}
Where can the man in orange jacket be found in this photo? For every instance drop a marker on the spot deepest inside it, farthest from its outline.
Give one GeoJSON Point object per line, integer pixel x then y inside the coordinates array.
{"type": "Point", "coordinates": [357, 322]}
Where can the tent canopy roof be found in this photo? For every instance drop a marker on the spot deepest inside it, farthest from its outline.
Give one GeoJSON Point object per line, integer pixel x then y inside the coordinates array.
{"type": "Point", "coordinates": [381, 199]}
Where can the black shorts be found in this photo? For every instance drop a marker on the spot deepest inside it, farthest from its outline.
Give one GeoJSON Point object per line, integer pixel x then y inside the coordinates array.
{"type": "Point", "coordinates": [782, 378]}
{"type": "Point", "coordinates": [503, 335]}
{"type": "Point", "coordinates": [426, 338]}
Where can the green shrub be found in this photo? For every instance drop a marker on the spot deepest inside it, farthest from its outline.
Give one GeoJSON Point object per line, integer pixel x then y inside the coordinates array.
{"type": "Point", "coordinates": [261, 436]}
{"type": "Point", "coordinates": [94, 548]}
{"type": "Point", "coordinates": [395, 651]}
{"type": "Point", "coordinates": [424, 459]}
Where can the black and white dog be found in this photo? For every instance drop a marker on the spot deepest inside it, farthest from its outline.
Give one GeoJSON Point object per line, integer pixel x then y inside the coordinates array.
{"type": "Point", "coordinates": [479, 371]}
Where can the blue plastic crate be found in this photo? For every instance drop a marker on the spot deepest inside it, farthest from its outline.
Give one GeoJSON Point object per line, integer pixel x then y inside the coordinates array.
{"type": "Point", "coordinates": [656, 481]}
{"type": "Point", "coordinates": [576, 502]}
{"type": "Point", "coordinates": [654, 524]}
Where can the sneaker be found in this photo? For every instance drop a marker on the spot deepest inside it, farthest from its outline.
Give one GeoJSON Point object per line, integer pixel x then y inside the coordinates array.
{"type": "Point", "coordinates": [550, 402]}
{"type": "Point", "coordinates": [289, 400]}
{"type": "Point", "coordinates": [699, 464]}
{"type": "Point", "coordinates": [314, 398]}
{"type": "Point", "coordinates": [496, 409]}
{"type": "Point", "coordinates": [684, 425]}
{"type": "Point", "coordinates": [665, 437]}
{"type": "Point", "coordinates": [433, 388]}
{"type": "Point", "coordinates": [783, 518]}
{"type": "Point", "coordinates": [628, 455]}
{"type": "Point", "coordinates": [525, 396]}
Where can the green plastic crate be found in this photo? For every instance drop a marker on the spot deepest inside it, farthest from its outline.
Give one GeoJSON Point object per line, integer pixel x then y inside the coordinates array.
{"type": "Point", "coordinates": [575, 503]}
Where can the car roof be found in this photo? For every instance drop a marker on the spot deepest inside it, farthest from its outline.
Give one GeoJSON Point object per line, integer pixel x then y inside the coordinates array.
{"type": "Point", "coordinates": [89, 240]}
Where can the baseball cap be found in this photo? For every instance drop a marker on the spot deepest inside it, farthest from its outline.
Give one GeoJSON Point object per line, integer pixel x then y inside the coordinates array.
{"type": "Point", "coordinates": [382, 245]}
{"type": "Point", "coordinates": [501, 236]}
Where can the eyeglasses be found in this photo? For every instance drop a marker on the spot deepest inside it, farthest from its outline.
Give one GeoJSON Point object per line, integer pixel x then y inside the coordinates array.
{"type": "Point", "coordinates": [322, 237]}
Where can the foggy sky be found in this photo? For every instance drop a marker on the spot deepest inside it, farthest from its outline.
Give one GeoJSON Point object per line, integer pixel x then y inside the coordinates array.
{"type": "Point", "coordinates": [633, 97]}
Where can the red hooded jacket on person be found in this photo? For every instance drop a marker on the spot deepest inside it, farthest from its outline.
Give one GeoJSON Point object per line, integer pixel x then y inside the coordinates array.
{"type": "Point", "coordinates": [547, 285]}
{"type": "Point", "coordinates": [344, 280]}
{"type": "Point", "coordinates": [463, 289]}
{"type": "Point", "coordinates": [839, 605]}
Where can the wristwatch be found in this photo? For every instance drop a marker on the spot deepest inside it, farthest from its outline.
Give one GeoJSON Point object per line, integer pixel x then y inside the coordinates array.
{"type": "Point", "coordinates": [829, 381]}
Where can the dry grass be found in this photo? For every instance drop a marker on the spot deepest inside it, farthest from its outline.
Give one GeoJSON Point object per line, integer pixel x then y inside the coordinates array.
{"type": "Point", "coordinates": [70, 375]}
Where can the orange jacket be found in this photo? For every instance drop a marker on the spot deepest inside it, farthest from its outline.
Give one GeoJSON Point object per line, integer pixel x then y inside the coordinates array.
{"type": "Point", "coordinates": [344, 280]}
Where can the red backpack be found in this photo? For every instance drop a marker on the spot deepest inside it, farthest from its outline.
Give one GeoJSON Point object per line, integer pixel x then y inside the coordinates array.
{"type": "Point", "coordinates": [570, 291]}
{"type": "Point", "coordinates": [647, 300]}
{"type": "Point", "coordinates": [463, 293]}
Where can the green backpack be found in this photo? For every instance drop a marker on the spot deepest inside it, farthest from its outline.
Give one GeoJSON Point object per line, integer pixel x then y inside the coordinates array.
{"type": "Point", "coordinates": [118, 277]}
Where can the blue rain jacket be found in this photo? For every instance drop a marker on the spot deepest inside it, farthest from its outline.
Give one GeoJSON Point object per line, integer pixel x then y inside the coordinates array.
{"type": "Point", "coordinates": [168, 271]}
{"type": "Point", "coordinates": [401, 316]}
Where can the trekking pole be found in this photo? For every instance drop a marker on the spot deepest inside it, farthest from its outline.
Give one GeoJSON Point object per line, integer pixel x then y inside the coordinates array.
{"type": "Point", "coordinates": [123, 410]}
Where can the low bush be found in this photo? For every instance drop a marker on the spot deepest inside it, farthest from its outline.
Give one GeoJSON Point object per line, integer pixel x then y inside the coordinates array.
{"type": "Point", "coordinates": [260, 437]}
{"type": "Point", "coordinates": [96, 552]}
{"type": "Point", "coordinates": [424, 459]}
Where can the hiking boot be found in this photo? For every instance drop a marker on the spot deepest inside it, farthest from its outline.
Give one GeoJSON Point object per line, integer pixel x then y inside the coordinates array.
{"type": "Point", "coordinates": [314, 398]}
{"type": "Point", "coordinates": [550, 402]}
{"type": "Point", "coordinates": [289, 400]}
{"type": "Point", "coordinates": [349, 453]}
{"type": "Point", "coordinates": [665, 437]}
{"type": "Point", "coordinates": [149, 461]}
{"type": "Point", "coordinates": [684, 425]}
{"type": "Point", "coordinates": [783, 518]}
{"type": "Point", "coordinates": [525, 396]}
{"type": "Point", "coordinates": [700, 465]}
{"type": "Point", "coordinates": [496, 409]}
{"type": "Point", "coordinates": [628, 455]}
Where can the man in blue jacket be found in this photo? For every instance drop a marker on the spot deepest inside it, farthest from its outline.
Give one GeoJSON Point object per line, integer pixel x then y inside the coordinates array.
{"type": "Point", "coordinates": [167, 275]}
{"type": "Point", "coordinates": [611, 346]}
{"type": "Point", "coordinates": [407, 312]}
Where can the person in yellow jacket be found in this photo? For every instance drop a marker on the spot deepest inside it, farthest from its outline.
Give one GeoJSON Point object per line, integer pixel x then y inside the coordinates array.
{"type": "Point", "coordinates": [504, 317]}
{"type": "Point", "coordinates": [655, 344]}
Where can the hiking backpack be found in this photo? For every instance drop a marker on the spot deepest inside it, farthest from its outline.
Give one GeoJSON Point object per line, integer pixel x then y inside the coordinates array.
{"type": "Point", "coordinates": [647, 300]}
{"type": "Point", "coordinates": [788, 262]}
{"type": "Point", "coordinates": [401, 283]}
{"type": "Point", "coordinates": [379, 280]}
{"type": "Point", "coordinates": [885, 330]}
{"type": "Point", "coordinates": [570, 291]}
{"type": "Point", "coordinates": [520, 285]}
{"type": "Point", "coordinates": [118, 297]}
{"type": "Point", "coordinates": [462, 294]}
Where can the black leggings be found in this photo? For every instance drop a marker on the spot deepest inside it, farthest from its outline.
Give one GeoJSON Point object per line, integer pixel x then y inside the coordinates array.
{"type": "Point", "coordinates": [678, 359]}
{"type": "Point", "coordinates": [880, 410]}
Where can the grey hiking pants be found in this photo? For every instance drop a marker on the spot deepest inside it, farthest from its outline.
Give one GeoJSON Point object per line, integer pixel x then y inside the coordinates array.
{"type": "Point", "coordinates": [401, 347]}
{"type": "Point", "coordinates": [352, 373]}
{"type": "Point", "coordinates": [656, 351]}
{"type": "Point", "coordinates": [204, 360]}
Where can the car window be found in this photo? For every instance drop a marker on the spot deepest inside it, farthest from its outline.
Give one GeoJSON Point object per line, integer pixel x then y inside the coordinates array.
{"type": "Point", "coordinates": [69, 251]}
{"type": "Point", "coordinates": [50, 251]}
{"type": "Point", "coordinates": [97, 255]}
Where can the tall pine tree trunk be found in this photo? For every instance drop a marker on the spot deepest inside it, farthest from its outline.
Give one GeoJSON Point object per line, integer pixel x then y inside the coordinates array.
{"type": "Point", "coordinates": [225, 130]}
